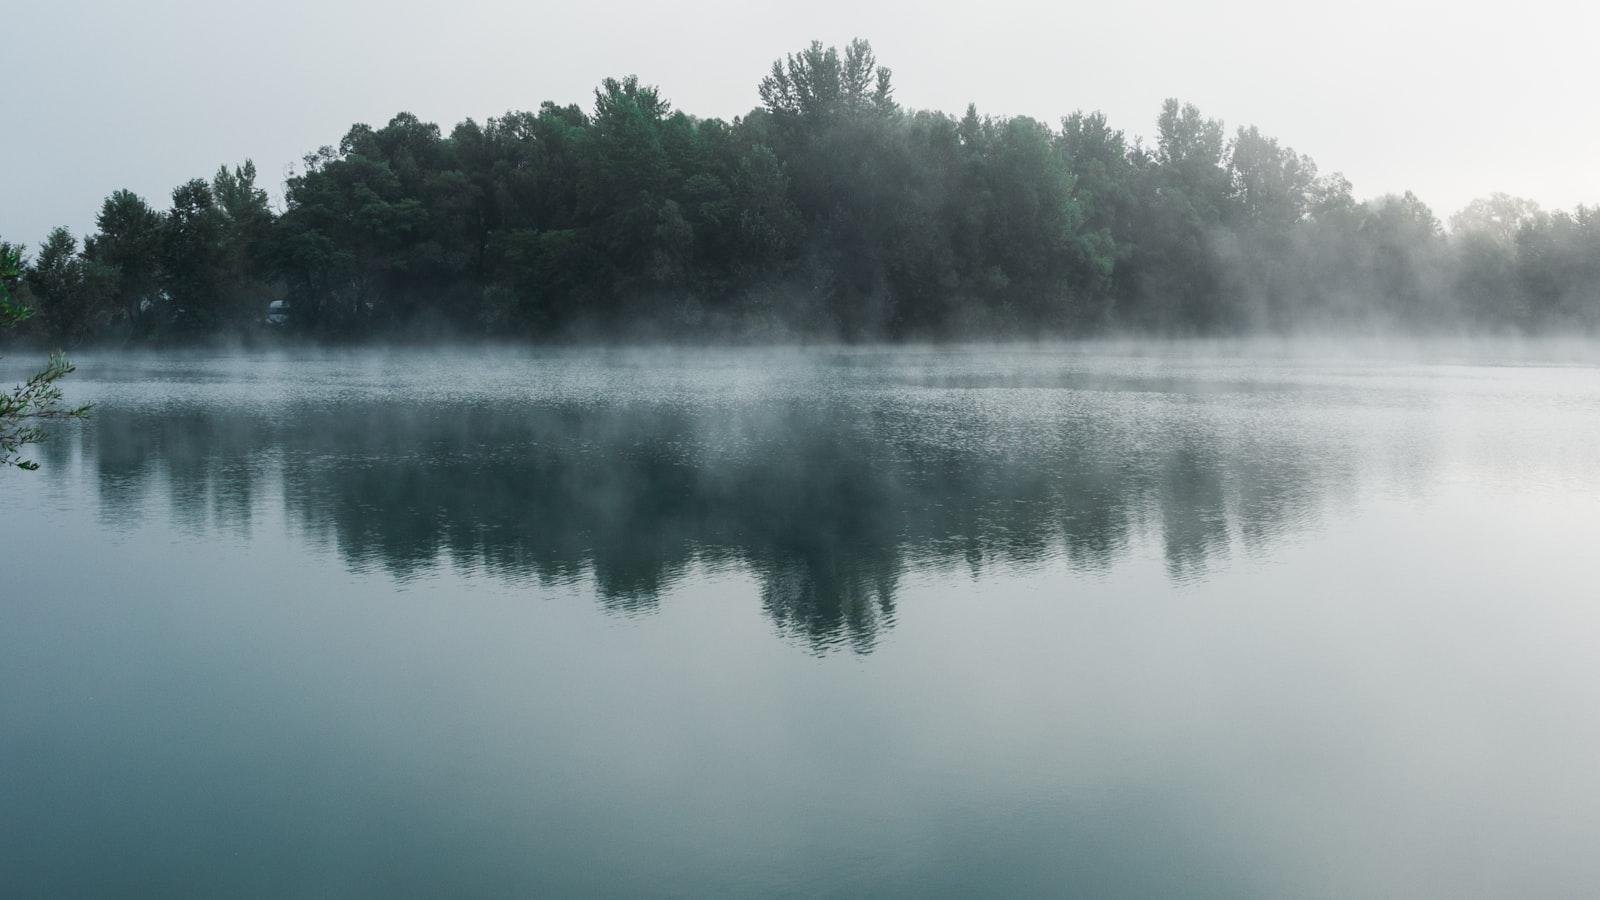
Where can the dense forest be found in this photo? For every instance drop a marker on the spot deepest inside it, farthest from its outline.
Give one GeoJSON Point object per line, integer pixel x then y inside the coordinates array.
{"type": "Point", "coordinates": [829, 211]}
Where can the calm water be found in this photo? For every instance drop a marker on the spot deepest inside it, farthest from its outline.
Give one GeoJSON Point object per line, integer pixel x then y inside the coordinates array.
{"type": "Point", "coordinates": [908, 624]}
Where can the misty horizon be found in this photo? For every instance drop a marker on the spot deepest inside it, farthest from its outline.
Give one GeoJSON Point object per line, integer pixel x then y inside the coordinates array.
{"type": "Point", "coordinates": [81, 223]}
{"type": "Point", "coordinates": [652, 450]}
{"type": "Point", "coordinates": [1398, 96]}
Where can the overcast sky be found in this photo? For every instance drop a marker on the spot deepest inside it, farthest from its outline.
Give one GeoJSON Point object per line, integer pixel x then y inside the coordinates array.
{"type": "Point", "coordinates": [1452, 100]}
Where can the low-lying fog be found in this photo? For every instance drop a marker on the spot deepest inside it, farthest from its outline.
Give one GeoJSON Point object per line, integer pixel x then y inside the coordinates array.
{"type": "Point", "coordinates": [1144, 619]}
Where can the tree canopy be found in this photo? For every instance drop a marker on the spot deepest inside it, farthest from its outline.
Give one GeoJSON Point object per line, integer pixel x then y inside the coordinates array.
{"type": "Point", "coordinates": [827, 211]}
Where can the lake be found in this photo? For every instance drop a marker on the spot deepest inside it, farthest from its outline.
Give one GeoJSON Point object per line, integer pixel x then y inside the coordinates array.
{"type": "Point", "coordinates": [1101, 621]}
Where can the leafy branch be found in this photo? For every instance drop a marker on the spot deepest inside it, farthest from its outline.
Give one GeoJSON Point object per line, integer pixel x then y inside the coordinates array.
{"type": "Point", "coordinates": [25, 409]}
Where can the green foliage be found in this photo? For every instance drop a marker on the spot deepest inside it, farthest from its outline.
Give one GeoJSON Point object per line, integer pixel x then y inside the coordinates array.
{"type": "Point", "coordinates": [828, 210]}
{"type": "Point", "coordinates": [73, 293]}
{"type": "Point", "coordinates": [818, 84]}
{"type": "Point", "coordinates": [28, 406]}
{"type": "Point", "coordinates": [11, 270]}
{"type": "Point", "coordinates": [129, 241]}
{"type": "Point", "coordinates": [25, 409]}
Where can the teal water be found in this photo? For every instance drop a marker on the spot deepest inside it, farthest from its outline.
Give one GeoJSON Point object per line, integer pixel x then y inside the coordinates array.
{"type": "Point", "coordinates": [1112, 622]}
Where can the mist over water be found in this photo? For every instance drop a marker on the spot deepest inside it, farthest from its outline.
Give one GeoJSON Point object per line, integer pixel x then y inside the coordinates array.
{"type": "Point", "coordinates": [1211, 620]}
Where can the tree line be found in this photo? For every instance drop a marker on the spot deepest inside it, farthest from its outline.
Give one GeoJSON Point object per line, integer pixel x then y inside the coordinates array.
{"type": "Point", "coordinates": [829, 211]}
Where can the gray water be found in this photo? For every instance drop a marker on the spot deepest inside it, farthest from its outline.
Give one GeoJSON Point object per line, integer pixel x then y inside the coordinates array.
{"type": "Point", "coordinates": [1111, 622]}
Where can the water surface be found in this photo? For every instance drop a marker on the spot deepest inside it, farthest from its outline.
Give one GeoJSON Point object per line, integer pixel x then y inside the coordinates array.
{"type": "Point", "coordinates": [1100, 622]}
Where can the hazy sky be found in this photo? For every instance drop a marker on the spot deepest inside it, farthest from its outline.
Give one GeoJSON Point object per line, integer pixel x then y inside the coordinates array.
{"type": "Point", "coordinates": [1450, 99]}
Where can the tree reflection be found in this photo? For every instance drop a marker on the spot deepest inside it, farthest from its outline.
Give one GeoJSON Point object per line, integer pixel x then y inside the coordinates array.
{"type": "Point", "coordinates": [826, 504]}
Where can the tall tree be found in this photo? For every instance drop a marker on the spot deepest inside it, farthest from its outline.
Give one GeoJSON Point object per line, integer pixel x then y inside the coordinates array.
{"type": "Point", "coordinates": [129, 241]}
{"type": "Point", "coordinates": [74, 293]}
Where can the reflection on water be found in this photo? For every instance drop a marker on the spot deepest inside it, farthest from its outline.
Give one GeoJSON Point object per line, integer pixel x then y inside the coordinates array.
{"type": "Point", "coordinates": [1142, 625]}
{"type": "Point", "coordinates": [828, 483]}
